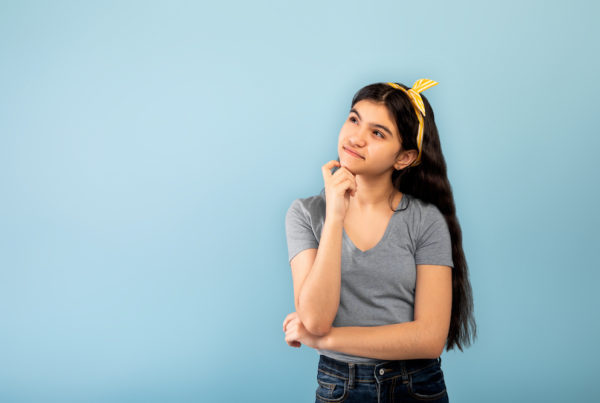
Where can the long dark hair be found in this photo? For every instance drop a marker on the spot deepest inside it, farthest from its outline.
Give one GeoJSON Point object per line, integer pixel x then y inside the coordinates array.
{"type": "Point", "coordinates": [429, 182]}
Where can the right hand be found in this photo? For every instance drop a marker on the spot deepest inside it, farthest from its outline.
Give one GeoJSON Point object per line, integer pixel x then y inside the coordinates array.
{"type": "Point", "coordinates": [339, 186]}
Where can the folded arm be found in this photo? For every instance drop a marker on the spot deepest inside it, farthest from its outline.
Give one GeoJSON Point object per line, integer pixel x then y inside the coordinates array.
{"type": "Point", "coordinates": [424, 337]}
{"type": "Point", "coordinates": [317, 280]}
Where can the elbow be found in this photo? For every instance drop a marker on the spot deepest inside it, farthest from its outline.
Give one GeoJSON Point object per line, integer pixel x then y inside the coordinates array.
{"type": "Point", "coordinates": [316, 327]}
{"type": "Point", "coordinates": [315, 324]}
{"type": "Point", "coordinates": [437, 351]}
{"type": "Point", "coordinates": [318, 330]}
{"type": "Point", "coordinates": [436, 348]}
{"type": "Point", "coordinates": [433, 343]}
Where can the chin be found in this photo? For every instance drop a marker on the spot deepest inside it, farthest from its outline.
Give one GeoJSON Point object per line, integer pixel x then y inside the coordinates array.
{"type": "Point", "coordinates": [348, 167]}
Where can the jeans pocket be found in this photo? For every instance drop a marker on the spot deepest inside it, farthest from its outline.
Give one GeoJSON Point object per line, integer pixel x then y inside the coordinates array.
{"type": "Point", "coordinates": [331, 388]}
{"type": "Point", "coordinates": [427, 383]}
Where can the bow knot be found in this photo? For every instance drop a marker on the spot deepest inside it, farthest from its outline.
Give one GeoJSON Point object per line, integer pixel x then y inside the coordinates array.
{"type": "Point", "coordinates": [414, 94]}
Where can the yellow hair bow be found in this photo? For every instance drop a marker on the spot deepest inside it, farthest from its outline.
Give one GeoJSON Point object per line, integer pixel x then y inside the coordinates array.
{"type": "Point", "coordinates": [415, 97]}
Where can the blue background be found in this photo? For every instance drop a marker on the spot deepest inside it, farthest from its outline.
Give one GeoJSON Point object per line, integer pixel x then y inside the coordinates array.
{"type": "Point", "coordinates": [150, 150]}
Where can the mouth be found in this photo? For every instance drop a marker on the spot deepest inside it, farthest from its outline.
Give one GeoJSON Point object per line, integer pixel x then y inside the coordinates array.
{"type": "Point", "coordinates": [353, 153]}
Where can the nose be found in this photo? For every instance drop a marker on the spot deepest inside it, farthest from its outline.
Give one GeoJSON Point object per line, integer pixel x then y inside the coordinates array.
{"type": "Point", "coordinates": [358, 137]}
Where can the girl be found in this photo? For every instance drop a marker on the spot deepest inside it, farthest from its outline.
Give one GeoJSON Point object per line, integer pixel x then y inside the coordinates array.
{"type": "Point", "coordinates": [380, 278]}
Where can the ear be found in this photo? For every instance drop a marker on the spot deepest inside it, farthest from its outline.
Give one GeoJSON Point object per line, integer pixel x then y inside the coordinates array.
{"type": "Point", "coordinates": [405, 159]}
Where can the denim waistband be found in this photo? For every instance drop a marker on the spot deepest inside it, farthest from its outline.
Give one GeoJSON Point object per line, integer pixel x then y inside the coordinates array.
{"type": "Point", "coordinates": [359, 372]}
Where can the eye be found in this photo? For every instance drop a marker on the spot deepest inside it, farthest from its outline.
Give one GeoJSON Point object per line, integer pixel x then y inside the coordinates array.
{"type": "Point", "coordinates": [377, 131]}
{"type": "Point", "coordinates": [352, 119]}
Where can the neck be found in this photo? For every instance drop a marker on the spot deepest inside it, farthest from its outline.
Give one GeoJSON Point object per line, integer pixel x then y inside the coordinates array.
{"type": "Point", "coordinates": [373, 193]}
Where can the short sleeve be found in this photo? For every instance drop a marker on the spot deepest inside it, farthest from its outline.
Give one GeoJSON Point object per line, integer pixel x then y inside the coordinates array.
{"type": "Point", "coordinates": [434, 245]}
{"type": "Point", "coordinates": [298, 229]}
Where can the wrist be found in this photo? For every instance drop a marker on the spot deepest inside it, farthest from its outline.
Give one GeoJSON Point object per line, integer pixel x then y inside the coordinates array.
{"type": "Point", "coordinates": [334, 220]}
{"type": "Point", "coordinates": [324, 342]}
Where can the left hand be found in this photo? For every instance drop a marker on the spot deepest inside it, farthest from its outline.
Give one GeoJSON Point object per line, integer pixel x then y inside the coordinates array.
{"type": "Point", "coordinates": [296, 334]}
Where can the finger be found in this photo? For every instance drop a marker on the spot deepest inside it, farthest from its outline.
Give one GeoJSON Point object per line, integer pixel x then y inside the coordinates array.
{"type": "Point", "coordinates": [350, 188]}
{"type": "Point", "coordinates": [290, 337]}
{"type": "Point", "coordinates": [292, 327]}
{"type": "Point", "coordinates": [348, 184]}
{"type": "Point", "coordinates": [289, 326]}
{"type": "Point", "coordinates": [288, 318]}
{"type": "Point", "coordinates": [353, 182]}
{"type": "Point", "coordinates": [344, 171]}
{"type": "Point", "coordinates": [292, 323]}
{"type": "Point", "coordinates": [286, 322]}
{"type": "Point", "coordinates": [344, 181]}
{"type": "Point", "coordinates": [342, 176]}
{"type": "Point", "coordinates": [326, 169]}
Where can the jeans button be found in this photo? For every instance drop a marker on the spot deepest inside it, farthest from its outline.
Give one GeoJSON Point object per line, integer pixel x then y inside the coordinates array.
{"type": "Point", "coordinates": [381, 371]}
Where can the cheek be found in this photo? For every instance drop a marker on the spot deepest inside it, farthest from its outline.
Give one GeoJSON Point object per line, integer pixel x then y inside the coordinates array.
{"type": "Point", "coordinates": [385, 156]}
{"type": "Point", "coordinates": [343, 135]}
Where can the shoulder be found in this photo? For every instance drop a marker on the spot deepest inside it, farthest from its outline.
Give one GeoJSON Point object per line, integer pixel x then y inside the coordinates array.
{"type": "Point", "coordinates": [425, 218]}
{"type": "Point", "coordinates": [312, 207]}
{"type": "Point", "coordinates": [422, 211]}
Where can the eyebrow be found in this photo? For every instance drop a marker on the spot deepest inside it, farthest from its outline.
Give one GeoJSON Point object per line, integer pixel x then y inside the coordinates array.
{"type": "Point", "coordinates": [373, 124]}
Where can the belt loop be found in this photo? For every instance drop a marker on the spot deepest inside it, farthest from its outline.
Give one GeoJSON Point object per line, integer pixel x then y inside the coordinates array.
{"type": "Point", "coordinates": [404, 372]}
{"type": "Point", "coordinates": [351, 369]}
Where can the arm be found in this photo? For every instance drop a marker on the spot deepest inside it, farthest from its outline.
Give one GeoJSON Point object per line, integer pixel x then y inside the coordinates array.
{"type": "Point", "coordinates": [319, 294]}
{"type": "Point", "coordinates": [318, 278]}
{"type": "Point", "coordinates": [424, 337]}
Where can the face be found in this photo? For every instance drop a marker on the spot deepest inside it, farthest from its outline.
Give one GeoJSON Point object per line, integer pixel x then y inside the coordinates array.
{"type": "Point", "coordinates": [370, 132]}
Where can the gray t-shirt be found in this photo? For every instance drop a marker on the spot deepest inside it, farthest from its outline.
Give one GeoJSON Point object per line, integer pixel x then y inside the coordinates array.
{"type": "Point", "coordinates": [378, 285]}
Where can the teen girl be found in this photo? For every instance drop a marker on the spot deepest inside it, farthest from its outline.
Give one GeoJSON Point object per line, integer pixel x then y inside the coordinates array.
{"type": "Point", "coordinates": [380, 278]}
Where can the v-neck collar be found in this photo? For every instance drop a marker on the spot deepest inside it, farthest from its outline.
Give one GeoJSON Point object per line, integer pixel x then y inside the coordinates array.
{"type": "Point", "coordinates": [383, 238]}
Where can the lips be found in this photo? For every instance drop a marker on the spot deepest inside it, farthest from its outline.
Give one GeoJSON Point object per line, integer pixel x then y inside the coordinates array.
{"type": "Point", "coordinates": [351, 151]}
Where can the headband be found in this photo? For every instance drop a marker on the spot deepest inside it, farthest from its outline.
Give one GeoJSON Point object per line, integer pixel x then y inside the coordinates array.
{"type": "Point", "coordinates": [415, 97]}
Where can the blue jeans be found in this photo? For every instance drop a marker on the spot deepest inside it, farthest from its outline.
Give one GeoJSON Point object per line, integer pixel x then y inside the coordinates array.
{"type": "Point", "coordinates": [390, 381]}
